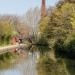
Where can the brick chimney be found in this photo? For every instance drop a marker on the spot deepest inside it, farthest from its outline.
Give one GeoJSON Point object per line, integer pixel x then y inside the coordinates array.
{"type": "Point", "coordinates": [43, 9]}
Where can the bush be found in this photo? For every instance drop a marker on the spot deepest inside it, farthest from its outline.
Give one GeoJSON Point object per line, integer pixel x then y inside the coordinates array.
{"type": "Point", "coordinates": [71, 46]}
{"type": "Point", "coordinates": [70, 49]}
{"type": "Point", "coordinates": [59, 47]}
{"type": "Point", "coordinates": [65, 49]}
{"type": "Point", "coordinates": [42, 45]}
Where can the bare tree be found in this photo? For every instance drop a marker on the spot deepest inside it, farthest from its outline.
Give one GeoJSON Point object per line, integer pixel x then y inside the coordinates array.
{"type": "Point", "coordinates": [32, 17]}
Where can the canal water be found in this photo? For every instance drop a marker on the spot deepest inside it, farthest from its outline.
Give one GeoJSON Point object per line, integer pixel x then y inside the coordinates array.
{"type": "Point", "coordinates": [23, 67]}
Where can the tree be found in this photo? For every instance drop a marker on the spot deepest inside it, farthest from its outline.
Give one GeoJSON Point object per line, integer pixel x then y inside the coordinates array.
{"type": "Point", "coordinates": [6, 29]}
{"type": "Point", "coordinates": [32, 18]}
{"type": "Point", "coordinates": [61, 20]}
{"type": "Point", "coordinates": [71, 1]}
{"type": "Point", "coordinates": [59, 24]}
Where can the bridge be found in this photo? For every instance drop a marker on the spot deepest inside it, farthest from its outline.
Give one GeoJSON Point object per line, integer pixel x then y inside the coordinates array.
{"type": "Point", "coordinates": [11, 47]}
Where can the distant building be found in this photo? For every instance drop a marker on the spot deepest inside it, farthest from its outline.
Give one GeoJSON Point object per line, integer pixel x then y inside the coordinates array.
{"type": "Point", "coordinates": [43, 9]}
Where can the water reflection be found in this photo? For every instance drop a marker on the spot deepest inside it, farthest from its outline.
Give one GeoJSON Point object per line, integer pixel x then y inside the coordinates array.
{"type": "Point", "coordinates": [24, 67]}
{"type": "Point", "coordinates": [27, 66]}
{"type": "Point", "coordinates": [10, 72]}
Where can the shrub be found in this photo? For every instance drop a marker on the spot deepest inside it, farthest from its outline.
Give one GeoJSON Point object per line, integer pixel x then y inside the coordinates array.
{"type": "Point", "coordinates": [42, 45]}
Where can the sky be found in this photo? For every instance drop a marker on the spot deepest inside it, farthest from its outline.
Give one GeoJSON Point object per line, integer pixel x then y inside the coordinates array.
{"type": "Point", "coordinates": [19, 7]}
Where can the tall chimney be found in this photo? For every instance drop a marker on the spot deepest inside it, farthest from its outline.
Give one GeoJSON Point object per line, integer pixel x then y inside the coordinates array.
{"type": "Point", "coordinates": [43, 9]}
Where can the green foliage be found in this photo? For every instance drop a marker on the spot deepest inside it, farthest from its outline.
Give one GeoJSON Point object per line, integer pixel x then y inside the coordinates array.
{"type": "Point", "coordinates": [59, 23]}
{"type": "Point", "coordinates": [59, 45]}
{"type": "Point", "coordinates": [58, 29]}
{"type": "Point", "coordinates": [73, 20]}
{"type": "Point", "coordinates": [71, 46]}
{"type": "Point", "coordinates": [42, 41]}
{"type": "Point", "coordinates": [42, 45]}
{"type": "Point", "coordinates": [6, 30]}
{"type": "Point", "coordinates": [69, 43]}
{"type": "Point", "coordinates": [70, 37]}
{"type": "Point", "coordinates": [65, 48]}
{"type": "Point", "coordinates": [43, 25]}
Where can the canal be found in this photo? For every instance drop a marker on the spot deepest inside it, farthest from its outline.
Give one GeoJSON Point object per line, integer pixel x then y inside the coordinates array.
{"type": "Point", "coordinates": [26, 66]}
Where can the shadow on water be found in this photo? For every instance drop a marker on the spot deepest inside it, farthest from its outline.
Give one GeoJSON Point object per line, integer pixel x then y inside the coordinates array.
{"type": "Point", "coordinates": [69, 60]}
{"type": "Point", "coordinates": [70, 65]}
